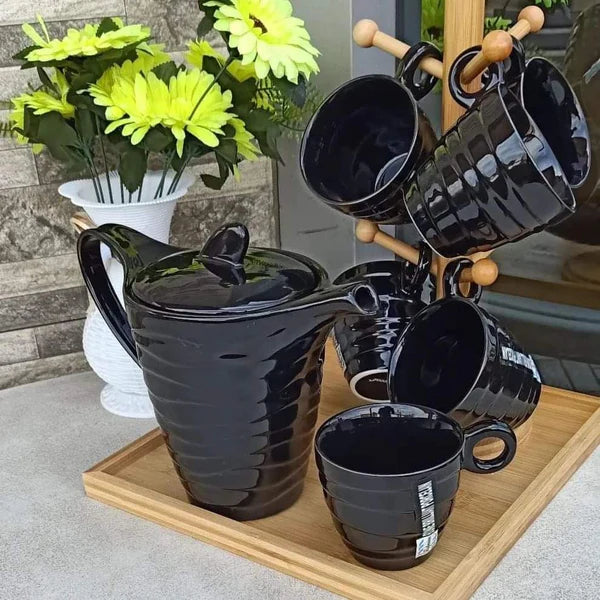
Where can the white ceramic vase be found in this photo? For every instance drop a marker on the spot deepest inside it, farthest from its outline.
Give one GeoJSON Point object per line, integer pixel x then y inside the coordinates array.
{"type": "Point", "coordinates": [125, 393]}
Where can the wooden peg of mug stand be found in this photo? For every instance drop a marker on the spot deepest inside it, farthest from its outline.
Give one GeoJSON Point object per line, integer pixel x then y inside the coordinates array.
{"type": "Point", "coordinates": [366, 34]}
{"type": "Point", "coordinates": [483, 272]}
{"type": "Point", "coordinates": [497, 45]}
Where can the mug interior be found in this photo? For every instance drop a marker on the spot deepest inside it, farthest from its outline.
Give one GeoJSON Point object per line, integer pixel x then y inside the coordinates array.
{"type": "Point", "coordinates": [389, 439]}
{"type": "Point", "coordinates": [359, 139]}
{"type": "Point", "coordinates": [549, 99]}
{"type": "Point", "coordinates": [538, 148]}
{"type": "Point", "coordinates": [440, 356]}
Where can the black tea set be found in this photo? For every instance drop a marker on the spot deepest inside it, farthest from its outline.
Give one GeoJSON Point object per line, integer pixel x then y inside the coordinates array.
{"type": "Point", "coordinates": [231, 337]}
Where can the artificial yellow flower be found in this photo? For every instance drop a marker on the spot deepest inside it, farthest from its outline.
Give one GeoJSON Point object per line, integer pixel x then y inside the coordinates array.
{"type": "Point", "coordinates": [201, 48]}
{"type": "Point", "coordinates": [243, 138]}
{"type": "Point", "coordinates": [152, 56]}
{"type": "Point", "coordinates": [265, 33]}
{"type": "Point", "coordinates": [83, 42]}
{"type": "Point", "coordinates": [42, 102]}
{"type": "Point", "coordinates": [191, 103]}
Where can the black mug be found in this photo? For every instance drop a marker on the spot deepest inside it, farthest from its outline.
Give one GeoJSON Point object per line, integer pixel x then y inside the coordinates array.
{"type": "Point", "coordinates": [390, 473]}
{"type": "Point", "coordinates": [493, 177]}
{"type": "Point", "coordinates": [366, 139]}
{"type": "Point", "coordinates": [551, 102]}
{"type": "Point", "coordinates": [365, 344]}
{"type": "Point", "coordinates": [456, 358]}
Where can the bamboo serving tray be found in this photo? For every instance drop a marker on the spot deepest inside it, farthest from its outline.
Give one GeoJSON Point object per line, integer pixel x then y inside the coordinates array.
{"type": "Point", "coordinates": [491, 511]}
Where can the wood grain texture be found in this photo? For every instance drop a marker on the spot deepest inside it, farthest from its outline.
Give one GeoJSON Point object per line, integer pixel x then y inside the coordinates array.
{"type": "Point", "coordinates": [463, 27]}
{"type": "Point", "coordinates": [491, 511]}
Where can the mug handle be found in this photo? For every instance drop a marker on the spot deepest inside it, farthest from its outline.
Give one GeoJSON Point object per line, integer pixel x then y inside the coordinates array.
{"type": "Point", "coordinates": [452, 280]}
{"type": "Point", "coordinates": [506, 71]}
{"type": "Point", "coordinates": [484, 430]}
{"type": "Point", "coordinates": [419, 272]}
{"type": "Point", "coordinates": [409, 65]}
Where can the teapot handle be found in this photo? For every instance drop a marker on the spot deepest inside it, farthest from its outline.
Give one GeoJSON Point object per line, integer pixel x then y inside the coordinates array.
{"type": "Point", "coordinates": [133, 250]}
{"type": "Point", "coordinates": [98, 284]}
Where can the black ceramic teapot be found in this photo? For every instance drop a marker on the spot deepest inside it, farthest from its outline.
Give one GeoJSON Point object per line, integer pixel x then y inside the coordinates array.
{"type": "Point", "coordinates": [230, 340]}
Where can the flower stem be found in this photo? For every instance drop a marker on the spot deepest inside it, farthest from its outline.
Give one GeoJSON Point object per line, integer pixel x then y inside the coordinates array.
{"type": "Point", "coordinates": [222, 70]}
{"type": "Point", "coordinates": [177, 177]}
{"type": "Point", "coordinates": [112, 201]}
{"type": "Point", "coordinates": [87, 162]}
{"type": "Point", "coordinates": [161, 184]}
{"type": "Point", "coordinates": [122, 193]}
{"type": "Point", "coordinates": [140, 190]}
{"type": "Point", "coordinates": [94, 171]}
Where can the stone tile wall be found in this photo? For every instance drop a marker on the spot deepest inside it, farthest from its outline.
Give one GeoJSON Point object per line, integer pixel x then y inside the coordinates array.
{"type": "Point", "coordinates": [42, 299]}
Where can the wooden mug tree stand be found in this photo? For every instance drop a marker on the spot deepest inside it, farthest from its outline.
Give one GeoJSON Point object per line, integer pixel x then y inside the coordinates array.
{"type": "Point", "coordinates": [463, 27]}
{"type": "Point", "coordinates": [491, 511]}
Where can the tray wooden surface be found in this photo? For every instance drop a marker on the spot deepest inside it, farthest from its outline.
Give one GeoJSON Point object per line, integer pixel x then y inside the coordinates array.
{"type": "Point", "coordinates": [490, 514]}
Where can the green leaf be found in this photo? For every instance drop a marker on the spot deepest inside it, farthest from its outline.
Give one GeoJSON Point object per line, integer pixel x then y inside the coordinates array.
{"type": "Point", "coordinates": [156, 140]}
{"type": "Point", "coordinates": [227, 149]}
{"type": "Point", "coordinates": [258, 120]}
{"type": "Point", "coordinates": [132, 167]}
{"type": "Point", "coordinates": [85, 101]}
{"type": "Point", "coordinates": [296, 93]}
{"type": "Point", "coordinates": [212, 182]}
{"type": "Point", "coordinates": [205, 25]}
{"type": "Point", "coordinates": [106, 25]}
{"type": "Point", "coordinates": [22, 54]}
{"type": "Point", "coordinates": [84, 80]}
{"type": "Point", "coordinates": [85, 124]}
{"type": "Point", "coordinates": [224, 167]}
{"type": "Point", "coordinates": [166, 71]}
{"type": "Point", "coordinates": [46, 81]}
{"type": "Point", "coordinates": [54, 131]}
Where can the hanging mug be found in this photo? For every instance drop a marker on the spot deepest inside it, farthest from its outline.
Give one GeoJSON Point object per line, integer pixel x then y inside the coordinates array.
{"type": "Point", "coordinates": [457, 358]}
{"type": "Point", "coordinates": [365, 345]}
{"type": "Point", "coordinates": [550, 101]}
{"type": "Point", "coordinates": [493, 178]}
{"type": "Point", "coordinates": [366, 139]}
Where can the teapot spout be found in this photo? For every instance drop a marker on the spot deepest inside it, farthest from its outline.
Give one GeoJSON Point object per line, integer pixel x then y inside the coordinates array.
{"type": "Point", "coordinates": [346, 299]}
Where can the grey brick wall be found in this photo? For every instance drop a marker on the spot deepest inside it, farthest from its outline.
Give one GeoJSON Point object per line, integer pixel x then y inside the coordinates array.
{"type": "Point", "coordinates": [42, 299]}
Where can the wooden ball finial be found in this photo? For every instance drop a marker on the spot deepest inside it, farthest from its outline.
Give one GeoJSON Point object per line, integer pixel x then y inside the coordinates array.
{"type": "Point", "coordinates": [366, 231]}
{"type": "Point", "coordinates": [497, 46]}
{"type": "Point", "coordinates": [484, 272]}
{"type": "Point", "coordinates": [534, 15]}
{"type": "Point", "coordinates": [364, 32]}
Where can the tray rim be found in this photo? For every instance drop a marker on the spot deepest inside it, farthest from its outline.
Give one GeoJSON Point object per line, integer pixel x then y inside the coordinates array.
{"type": "Point", "coordinates": [348, 579]}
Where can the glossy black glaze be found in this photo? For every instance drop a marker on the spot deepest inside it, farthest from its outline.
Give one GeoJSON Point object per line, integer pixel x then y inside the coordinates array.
{"type": "Point", "coordinates": [390, 474]}
{"type": "Point", "coordinates": [235, 380]}
{"type": "Point", "coordinates": [365, 344]}
{"type": "Point", "coordinates": [365, 140]}
{"type": "Point", "coordinates": [550, 101]}
{"type": "Point", "coordinates": [455, 357]}
{"type": "Point", "coordinates": [491, 179]}
{"type": "Point", "coordinates": [582, 53]}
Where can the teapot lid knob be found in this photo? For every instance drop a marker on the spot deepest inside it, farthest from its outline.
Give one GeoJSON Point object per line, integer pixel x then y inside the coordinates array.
{"type": "Point", "coordinates": [229, 243]}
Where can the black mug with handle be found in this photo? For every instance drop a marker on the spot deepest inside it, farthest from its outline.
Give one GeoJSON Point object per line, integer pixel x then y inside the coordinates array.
{"type": "Point", "coordinates": [493, 178]}
{"type": "Point", "coordinates": [366, 139]}
{"type": "Point", "coordinates": [390, 473]}
{"type": "Point", "coordinates": [457, 358]}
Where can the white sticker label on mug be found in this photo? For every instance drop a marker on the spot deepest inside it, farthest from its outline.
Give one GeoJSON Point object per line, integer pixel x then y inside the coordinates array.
{"type": "Point", "coordinates": [426, 543]}
{"type": "Point", "coordinates": [519, 358]}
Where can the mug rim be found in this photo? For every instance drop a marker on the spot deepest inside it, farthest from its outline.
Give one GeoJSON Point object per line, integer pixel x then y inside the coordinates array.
{"type": "Point", "coordinates": [498, 90]}
{"type": "Point", "coordinates": [395, 406]}
{"type": "Point", "coordinates": [387, 263]}
{"type": "Point", "coordinates": [566, 84]}
{"type": "Point", "coordinates": [413, 323]}
{"type": "Point", "coordinates": [344, 86]}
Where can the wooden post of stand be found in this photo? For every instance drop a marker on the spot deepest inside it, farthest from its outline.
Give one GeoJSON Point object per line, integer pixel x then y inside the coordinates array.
{"type": "Point", "coordinates": [463, 27]}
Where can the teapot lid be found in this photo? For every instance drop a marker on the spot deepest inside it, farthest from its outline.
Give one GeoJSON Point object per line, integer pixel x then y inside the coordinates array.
{"type": "Point", "coordinates": [226, 276]}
